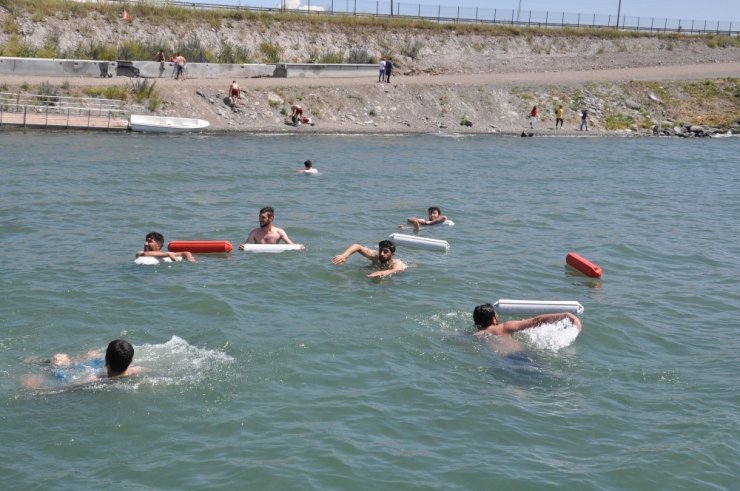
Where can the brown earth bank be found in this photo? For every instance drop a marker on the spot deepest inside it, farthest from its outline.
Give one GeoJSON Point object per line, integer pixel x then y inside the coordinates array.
{"type": "Point", "coordinates": [445, 80]}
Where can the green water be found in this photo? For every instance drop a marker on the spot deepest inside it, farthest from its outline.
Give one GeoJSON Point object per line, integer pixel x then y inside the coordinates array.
{"type": "Point", "coordinates": [287, 372]}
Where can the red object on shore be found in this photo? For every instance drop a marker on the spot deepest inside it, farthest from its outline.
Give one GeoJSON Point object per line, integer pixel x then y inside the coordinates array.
{"type": "Point", "coordinates": [200, 246]}
{"type": "Point", "coordinates": [583, 265]}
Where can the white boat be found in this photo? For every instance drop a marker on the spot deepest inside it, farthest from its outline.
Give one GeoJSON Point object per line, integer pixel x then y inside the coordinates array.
{"type": "Point", "coordinates": [166, 124]}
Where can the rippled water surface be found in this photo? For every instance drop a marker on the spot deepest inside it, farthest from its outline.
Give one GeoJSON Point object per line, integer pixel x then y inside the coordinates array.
{"type": "Point", "coordinates": [286, 372]}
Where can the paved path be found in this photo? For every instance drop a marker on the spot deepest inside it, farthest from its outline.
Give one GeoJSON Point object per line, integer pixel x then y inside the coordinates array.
{"type": "Point", "coordinates": [674, 72]}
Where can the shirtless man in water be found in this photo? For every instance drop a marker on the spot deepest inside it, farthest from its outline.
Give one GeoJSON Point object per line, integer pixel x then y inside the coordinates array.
{"type": "Point", "coordinates": [499, 335]}
{"type": "Point", "coordinates": [382, 258]}
{"type": "Point", "coordinates": [435, 217]}
{"type": "Point", "coordinates": [485, 320]}
{"type": "Point", "coordinates": [153, 244]}
{"type": "Point", "coordinates": [266, 233]}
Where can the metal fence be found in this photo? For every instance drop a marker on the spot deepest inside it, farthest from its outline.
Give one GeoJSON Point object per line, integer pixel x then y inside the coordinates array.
{"type": "Point", "coordinates": [443, 14]}
{"type": "Point", "coordinates": [46, 110]}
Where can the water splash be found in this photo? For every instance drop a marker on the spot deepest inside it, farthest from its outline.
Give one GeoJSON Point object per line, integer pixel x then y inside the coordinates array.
{"type": "Point", "coordinates": [551, 336]}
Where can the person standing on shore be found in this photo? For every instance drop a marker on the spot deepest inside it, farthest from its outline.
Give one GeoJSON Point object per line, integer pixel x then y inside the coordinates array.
{"type": "Point", "coordinates": [559, 113]}
{"type": "Point", "coordinates": [179, 67]}
{"type": "Point", "coordinates": [160, 59]}
{"type": "Point", "coordinates": [235, 94]}
{"type": "Point", "coordinates": [584, 119]}
{"type": "Point", "coordinates": [388, 70]}
{"type": "Point", "coordinates": [533, 117]}
{"type": "Point", "coordinates": [381, 68]}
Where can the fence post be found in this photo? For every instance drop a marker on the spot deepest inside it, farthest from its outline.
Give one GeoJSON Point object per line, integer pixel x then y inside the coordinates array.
{"type": "Point", "coordinates": [25, 108]}
{"type": "Point", "coordinates": [652, 21]}
{"type": "Point", "coordinates": [547, 17]}
{"type": "Point", "coordinates": [439, 13]}
{"type": "Point", "coordinates": [68, 109]}
{"type": "Point", "coordinates": [494, 16]}
{"type": "Point", "coordinates": [578, 23]}
{"type": "Point", "coordinates": [562, 21]}
{"type": "Point", "coordinates": [458, 14]}
{"type": "Point", "coordinates": [476, 16]}
{"type": "Point", "coordinates": [46, 118]}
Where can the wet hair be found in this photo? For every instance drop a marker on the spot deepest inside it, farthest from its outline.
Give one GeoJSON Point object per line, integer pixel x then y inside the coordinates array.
{"type": "Point", "coordinates": [118, 356]}
{"type": "Point", "coordinates": [387, 244]}
{"type": "Point", "coordinates": [308, 164]}
{"type": "Point", "coordinates": [269, 210]}
{"type": "Point", "coordinates": [158, 238]}
{"type": "Point", "coordinates": [434, 208]}
{"type": "Point", "coordinates": [483, 315]}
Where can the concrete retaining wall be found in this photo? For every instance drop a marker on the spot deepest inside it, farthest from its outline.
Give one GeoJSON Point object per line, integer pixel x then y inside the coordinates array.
{"type": "Point", "coordinates": [150, 69]}
{"type": "Point", "coordinates": [56, 68]}
{"type": "Point", "coordinates": [330, 70]}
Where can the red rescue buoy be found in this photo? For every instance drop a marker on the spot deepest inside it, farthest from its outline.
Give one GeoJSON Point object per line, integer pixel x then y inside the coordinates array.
{"type": "Point", "coordinates": [200, 246]}
{"type": "Point", "coordinates": [583, 265]}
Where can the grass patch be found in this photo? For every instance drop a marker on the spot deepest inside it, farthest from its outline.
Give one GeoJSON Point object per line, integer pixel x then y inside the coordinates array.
{"type": "Point", "coordinates": [359, 56]}
{"type": "Point", "coordinates": [118, 92]}
{"type": "Point", "coordinates": [271, 52]}
{"type": "Point", "coordinates": [336, 57]}
{"type": "Point", "coordinates": [618, 122]}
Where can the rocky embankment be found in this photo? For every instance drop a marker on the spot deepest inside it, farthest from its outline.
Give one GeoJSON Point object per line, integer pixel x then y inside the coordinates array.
{"type": "Point", "coordinates": [462, 81]}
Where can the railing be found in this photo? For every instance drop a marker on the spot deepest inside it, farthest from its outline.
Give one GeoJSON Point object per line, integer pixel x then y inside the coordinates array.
{"type": "Point", "coordinates": [443, 14]}
{"type": "Point", "coordinates": [58, 111]}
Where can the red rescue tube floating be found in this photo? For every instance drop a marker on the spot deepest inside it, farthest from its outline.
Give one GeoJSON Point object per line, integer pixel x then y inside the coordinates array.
{"type": "Point", "coordinates": [583, 265]}
{"type": "Point", "coordinates": [200, 246]}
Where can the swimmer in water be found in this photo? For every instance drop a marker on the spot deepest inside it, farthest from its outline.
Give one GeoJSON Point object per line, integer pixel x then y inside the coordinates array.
{"type": "Point", "coordinates": [435, 217]}
{"type": "Point", "coordinates": [117, 363]}
{"type": "Point", "coordinates": [382, 258]}
{"type": "Point", "coordinates": [267, 233]}
{"type": "Point", "coordinates": [153, 244]}
{"type": "Point", "coordinates": [484, 317]}
{"type": "Point", "coordinates": [309, 168]}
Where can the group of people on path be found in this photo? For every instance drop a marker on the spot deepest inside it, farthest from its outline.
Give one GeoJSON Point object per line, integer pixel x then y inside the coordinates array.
{"type": "Point", "coordinates": [534, 117]}
{"type": "Point", "coordinates": [385, 69]}
{"type": "Point", "coordinates": [178, 60]}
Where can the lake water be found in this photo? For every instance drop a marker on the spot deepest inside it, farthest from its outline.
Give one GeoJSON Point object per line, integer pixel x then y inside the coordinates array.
{"type": "Point", "coordinates": [283, 371]}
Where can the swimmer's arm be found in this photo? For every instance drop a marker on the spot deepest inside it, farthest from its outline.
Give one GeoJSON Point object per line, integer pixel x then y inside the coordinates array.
{"type": "Point", "coordinates": [341, 258]}
{"type": "Point", "coordinates": [398, 266]}
{"type": "Point", "coordinates": [249, 240]}
{"type": "Point", "coordinates": [188, 256]}
{"type": "Point", "coordinates": [440, 219]}
{"type": "Point", "coordinates": [519, 325]}
{"type": "Point", "coordinates": [283, 236]}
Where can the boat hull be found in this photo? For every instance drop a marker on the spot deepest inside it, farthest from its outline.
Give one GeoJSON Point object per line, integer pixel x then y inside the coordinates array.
{"type": "Point", "coordinates": [166, 124]}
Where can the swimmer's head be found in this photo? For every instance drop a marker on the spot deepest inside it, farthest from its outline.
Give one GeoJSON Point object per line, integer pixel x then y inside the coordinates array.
{"type": "Point", "coordinates": [118, 357]}
{"type": "Point", "coordinates": [308, 164]}
{"type": "Point", "coordinates": [266, 216]}
{"type": "Point", "coordinates": [484, 315]}
{"type": "Point", "coordinates": [434, 212]}
{"type": "Point", "coordinates": [386, 249]}
{"type": "Point", "coordinates": [153, 241]}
